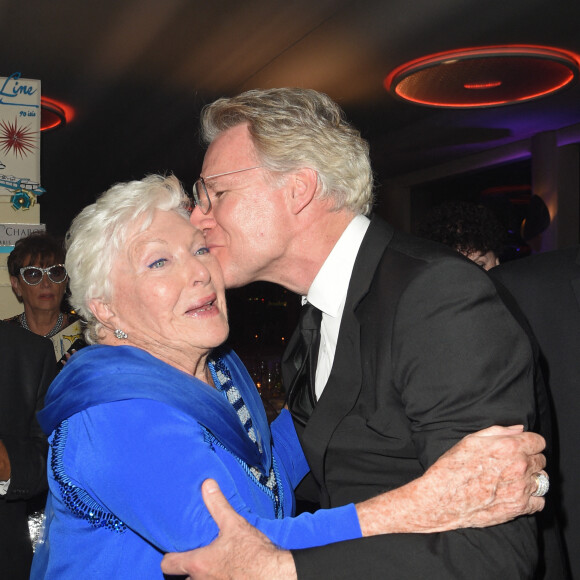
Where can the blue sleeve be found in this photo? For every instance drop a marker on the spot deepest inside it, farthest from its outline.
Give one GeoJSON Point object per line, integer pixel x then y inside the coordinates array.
{"type": "Point", "coordinates": [287, 448]}
{"type": "Point", "coordinates": [145, 461]}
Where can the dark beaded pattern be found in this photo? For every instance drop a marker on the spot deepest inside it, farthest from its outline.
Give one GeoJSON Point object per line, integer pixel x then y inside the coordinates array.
{"type": "Point", "coordinates": [269, 484]}
{"type": "Point", "coordinates": [77, 500]}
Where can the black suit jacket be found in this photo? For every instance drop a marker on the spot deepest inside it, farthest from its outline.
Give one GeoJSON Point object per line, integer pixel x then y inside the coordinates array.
{"type": "Point", "coordinates": [426, 354]}
{"type": "Point", "coordinates": [547, 289]}
{"type": "Point", "coordinates": [27, 370]}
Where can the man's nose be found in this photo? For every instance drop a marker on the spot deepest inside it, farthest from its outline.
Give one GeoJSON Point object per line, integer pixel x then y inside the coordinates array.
{"type": "Point", "coordinates": [201, 221]}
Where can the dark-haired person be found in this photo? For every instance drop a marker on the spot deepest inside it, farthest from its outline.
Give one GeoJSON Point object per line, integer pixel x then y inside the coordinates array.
{"type": "Point", "coordinates": [470, 228]}
{"type": "Point", "coordinates": [39, 281]}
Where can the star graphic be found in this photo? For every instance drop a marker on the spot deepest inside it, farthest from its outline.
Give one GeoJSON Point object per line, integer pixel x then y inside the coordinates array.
{"type": "Point", "coordinates": [18, 140]}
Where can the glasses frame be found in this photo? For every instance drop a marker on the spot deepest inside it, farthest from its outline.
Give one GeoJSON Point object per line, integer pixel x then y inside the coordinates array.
{"type": "Point", "coordinates": [198, 201]}
{"type": "Point", "coordinates": [43, 271]}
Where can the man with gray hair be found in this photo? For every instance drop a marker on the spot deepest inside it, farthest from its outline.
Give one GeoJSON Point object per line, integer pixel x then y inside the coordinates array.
{"type": "Point", "coordinates": [409, 350]}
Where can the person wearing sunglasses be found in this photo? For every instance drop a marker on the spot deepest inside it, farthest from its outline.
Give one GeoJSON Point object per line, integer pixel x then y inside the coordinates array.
{"type": "Point", "coordinates": [39, 281]}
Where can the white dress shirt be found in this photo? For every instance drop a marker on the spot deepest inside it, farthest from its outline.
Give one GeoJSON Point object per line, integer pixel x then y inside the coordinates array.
{"type": "Point", "coordinates": [328, 293]}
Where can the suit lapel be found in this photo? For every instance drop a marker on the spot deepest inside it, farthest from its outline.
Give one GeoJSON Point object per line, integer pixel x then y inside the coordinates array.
{"type": "Point", "coordinates": [344, 384]}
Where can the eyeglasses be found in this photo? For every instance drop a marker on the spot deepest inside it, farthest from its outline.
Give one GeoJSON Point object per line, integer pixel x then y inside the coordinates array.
{"type": "Point", "coordinates": [201, 197]}
{"type": "Point", "coordinates": [32, 275]}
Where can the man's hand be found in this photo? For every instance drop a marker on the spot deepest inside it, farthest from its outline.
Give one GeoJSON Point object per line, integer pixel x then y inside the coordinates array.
{"type": "Point", "coordinates": [4, 463]}
{"type": "Point", "coordinates": [484, 480]}
{"type": "Point", "coordinates": [240, 551]}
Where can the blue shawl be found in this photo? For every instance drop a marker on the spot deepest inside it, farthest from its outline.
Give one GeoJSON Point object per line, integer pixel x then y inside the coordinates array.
{"type": "Point", "coordinates": [104, 374]}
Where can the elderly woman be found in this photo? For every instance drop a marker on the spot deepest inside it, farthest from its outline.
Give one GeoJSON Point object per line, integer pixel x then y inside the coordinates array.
{"type": "Point", "coordinates": [153, 407]}
{"type": "Point", "coordinates": [39, 279]}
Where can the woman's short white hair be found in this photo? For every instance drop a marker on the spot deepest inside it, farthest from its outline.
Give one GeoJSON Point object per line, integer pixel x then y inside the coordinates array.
{"type": "Point", "coordinates": [99, 232]}
{"type": "Point", "coordinates": [295, 128]}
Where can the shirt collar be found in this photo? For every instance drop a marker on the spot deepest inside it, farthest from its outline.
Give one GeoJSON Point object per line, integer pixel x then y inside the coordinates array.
{"type": "Point", "coordinates": [329, 288]}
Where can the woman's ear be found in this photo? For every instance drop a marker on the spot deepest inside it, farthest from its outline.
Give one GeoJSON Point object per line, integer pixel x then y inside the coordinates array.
{"type": "Point", "coordinates": [102, 312]}
{"type": "Point", "coordinates": [15, 283]}
{"type": "Point", "coordinates": [304, 187]}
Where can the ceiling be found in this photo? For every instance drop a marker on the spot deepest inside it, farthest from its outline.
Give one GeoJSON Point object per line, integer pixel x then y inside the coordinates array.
{"type": "Point", "coordinates": [137, 73]}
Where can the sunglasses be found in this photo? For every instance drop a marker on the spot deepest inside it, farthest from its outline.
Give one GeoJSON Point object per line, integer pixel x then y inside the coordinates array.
{"type": "Point", "coordinates": [32, 275]}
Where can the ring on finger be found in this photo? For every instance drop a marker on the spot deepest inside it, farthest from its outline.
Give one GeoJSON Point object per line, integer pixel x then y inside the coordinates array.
{"type": "Point", "coordinates": [542, 484]}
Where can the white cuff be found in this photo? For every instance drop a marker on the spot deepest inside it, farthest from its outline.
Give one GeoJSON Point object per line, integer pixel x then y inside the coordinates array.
{"type": "Point", "coordinates": [4, 485]}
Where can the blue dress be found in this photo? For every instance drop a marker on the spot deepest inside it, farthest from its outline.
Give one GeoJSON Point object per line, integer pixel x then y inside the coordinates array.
{"type": "Point", "coordinates": [133, 438]}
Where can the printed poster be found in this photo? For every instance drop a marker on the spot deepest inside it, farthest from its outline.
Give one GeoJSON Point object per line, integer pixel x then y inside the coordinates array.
{"type": "Point", "coordinates": [20, 116]}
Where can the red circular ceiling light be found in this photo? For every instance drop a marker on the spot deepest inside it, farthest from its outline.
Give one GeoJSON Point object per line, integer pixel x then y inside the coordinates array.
{"type": "Point", "coordinates": [54, 114]}
{"type": "Point", "coordinates": [484, 76]}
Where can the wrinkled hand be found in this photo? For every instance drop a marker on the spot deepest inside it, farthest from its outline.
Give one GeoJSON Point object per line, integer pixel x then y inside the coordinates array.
{"type": "Point", "coordinates": [484, 480]}
{"type": "Point", "coordinates": [487, 478]}
{"type": "Point", "coordinates": [240, 551]}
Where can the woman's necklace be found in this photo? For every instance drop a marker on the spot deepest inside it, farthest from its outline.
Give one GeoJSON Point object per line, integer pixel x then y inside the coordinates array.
{"type": "Point", "coordinates": [54, 330]}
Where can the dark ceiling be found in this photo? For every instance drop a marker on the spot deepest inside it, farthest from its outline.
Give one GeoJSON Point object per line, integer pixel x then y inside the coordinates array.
{"type": "Point", "coordinates": [137, 73]}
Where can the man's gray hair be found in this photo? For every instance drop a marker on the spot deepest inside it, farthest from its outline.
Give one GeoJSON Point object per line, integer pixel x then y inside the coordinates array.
{"type": "Point", "coordinates": [296, 128]}
{"type": "Point", "coordinates": [100, 231]}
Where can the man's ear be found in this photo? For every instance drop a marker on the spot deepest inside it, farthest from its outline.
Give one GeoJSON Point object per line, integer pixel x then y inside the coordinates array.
{"type": "Point", "coordinates": [304, 188]}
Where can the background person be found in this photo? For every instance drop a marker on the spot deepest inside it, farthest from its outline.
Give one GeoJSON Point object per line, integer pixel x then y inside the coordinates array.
{"type": "Point", "coordinates": [426, 350]}
{"type": "Point", "coordinates": [39, 281]}
{"type": "Point", "coordinates": [470, 228]}
{"type": "Point", "coordinates": [546, 287]}
{"type": "Point", "coordinates": [474, 231]}
{"type": "Point", "coordinates": [27, 370]}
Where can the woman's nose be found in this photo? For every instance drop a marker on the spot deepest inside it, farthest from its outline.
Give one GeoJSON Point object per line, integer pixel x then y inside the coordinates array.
{"type": "Point", "coordinates": [200, 273]}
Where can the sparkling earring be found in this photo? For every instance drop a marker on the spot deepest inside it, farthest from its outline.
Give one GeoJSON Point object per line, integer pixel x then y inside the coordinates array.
{"type": "Point", "coordinates": [120, 334]}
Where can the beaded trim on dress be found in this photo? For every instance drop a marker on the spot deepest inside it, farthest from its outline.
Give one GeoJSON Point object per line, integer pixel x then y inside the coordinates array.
{"type": "Point", "coordinates": [84, 506]}
{"type": "Point", "coordinates": [223, 382]}
{"type": "Point", "coordinates": [78, 501]}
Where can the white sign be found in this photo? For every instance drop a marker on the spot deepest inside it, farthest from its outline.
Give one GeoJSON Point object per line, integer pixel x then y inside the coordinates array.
{"type": "Point", "coordinates": [11, 233]}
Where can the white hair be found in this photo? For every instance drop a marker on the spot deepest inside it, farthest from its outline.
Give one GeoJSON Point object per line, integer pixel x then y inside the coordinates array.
{"type": "Point", "coordinates": [99, 232]}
